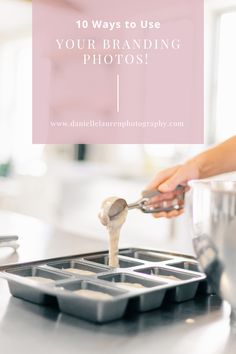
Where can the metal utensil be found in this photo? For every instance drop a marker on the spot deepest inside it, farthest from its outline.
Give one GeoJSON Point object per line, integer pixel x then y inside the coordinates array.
{"type": "Point", "coordinates": [176, 202]}
{"type": "Point", "coordinates": [9, 241]}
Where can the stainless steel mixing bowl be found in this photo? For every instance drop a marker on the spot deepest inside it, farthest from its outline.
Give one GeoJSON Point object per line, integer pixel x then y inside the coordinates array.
{"type": "Point", "coordinates": [212, 208]}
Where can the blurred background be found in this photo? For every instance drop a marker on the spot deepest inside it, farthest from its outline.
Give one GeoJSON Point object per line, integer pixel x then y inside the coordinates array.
{"type": "Point", "coordinates": [65, 184]}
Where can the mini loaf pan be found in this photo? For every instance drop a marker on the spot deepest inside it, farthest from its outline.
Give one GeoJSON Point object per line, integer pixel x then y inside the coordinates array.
{"type": "Point", "coordinates": [146, 267]}
{"type": "Point", "coordinates": [22, 287]}
{"type": "Point", "coordinates": [186, 265]}
{"type": "Point", "coordinates": [104, 260]}
{"type": "Point", "coordinates": [85, 268]}
{"type": "Point", "coordinates": [148, 256]}
{"type": "Point", "coordinates": [96, 310]}
{"type": "Point", "coordinates": [148, 297]}
{"type": "Point", "coordinates": [186, 285]}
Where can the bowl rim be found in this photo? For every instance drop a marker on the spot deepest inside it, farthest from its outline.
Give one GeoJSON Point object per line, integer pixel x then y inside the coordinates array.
{"type": "Point", "coordinates": [229, 186]}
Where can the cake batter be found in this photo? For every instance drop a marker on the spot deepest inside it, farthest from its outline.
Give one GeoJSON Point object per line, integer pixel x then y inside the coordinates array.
{"type": "Point", "coordinates": [40, 280]}
{"type": "Point", "coordinates": [113, 226]}
{"type": "Point", "coordinates": [97, 295]}
{"type": "Point", "coordinates": [172, 277]}
{"type": "Point", "coordinates": [129, 286]}
{"type": "Point", "coordinates": [78, 271]}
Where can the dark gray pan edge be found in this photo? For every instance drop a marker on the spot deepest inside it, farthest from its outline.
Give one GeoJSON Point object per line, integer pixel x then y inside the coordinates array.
{"type": "Point", "coordinates": [75, 263]}
{"type": "Point", "coordinates": [164, 252]}
{"type": "Point", "coordinates": [179, 264]}
{"type": "Point", "coordinates": [46, 260]}
{"type": "Point", "coordinates": [167, 271]}
{"type": "Point", "coordinates": [29, 270]}
{"type": "Point", "coordinates": [147, 256]}
{"type": "Point", "coordinates": [103, 259]}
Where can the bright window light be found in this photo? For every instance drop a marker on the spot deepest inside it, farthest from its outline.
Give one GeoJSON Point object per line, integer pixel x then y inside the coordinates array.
{"type": "Point", "coordinates": [226, 98]}
{"type": "Point", "coordinates": [16, 117]}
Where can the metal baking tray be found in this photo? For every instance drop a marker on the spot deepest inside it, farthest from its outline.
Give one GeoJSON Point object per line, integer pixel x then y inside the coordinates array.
{"type": "Point", "coordinates": [154, 276]}
{"type": "Point", "coordinates": [20, 286]}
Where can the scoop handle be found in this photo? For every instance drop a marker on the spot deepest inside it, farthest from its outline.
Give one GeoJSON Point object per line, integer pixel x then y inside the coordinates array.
{"type": "Point", "coordinates": [177, 203]}
{"type": "Point", "coordinates": [152, 193]}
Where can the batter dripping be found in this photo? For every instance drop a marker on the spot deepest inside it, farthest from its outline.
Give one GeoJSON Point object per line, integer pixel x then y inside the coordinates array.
{"type": "Point", "coordinates": [113, 226]}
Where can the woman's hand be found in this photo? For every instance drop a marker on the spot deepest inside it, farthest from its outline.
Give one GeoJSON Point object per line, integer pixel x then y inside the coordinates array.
{"type": "Point", "coordinates": [217, 160]}
{"type": "Point", "coordinates": [166, 182]}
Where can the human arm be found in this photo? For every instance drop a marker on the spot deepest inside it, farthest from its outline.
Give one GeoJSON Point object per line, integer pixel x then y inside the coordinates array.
{"type": "Point", "coordinates": [217, 160]}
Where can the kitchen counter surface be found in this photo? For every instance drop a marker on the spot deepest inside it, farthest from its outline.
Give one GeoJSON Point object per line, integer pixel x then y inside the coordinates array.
{"type": "Point", "coordinates": [198, 326]}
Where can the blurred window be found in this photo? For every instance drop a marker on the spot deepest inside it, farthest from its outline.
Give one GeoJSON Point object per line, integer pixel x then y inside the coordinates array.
{"type": "Point", "coordinates": [16, 87]}
{"type": "Point", "coordinates": [226, 80]}
{"type": "Point", "coordinates": [220, 81]}
{"type": "Point", "coordinates": [16, 107]}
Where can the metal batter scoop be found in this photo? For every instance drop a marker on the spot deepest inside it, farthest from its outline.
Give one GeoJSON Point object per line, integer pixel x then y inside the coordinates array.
{"type": "Point", "coordinates": [146, 206]}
